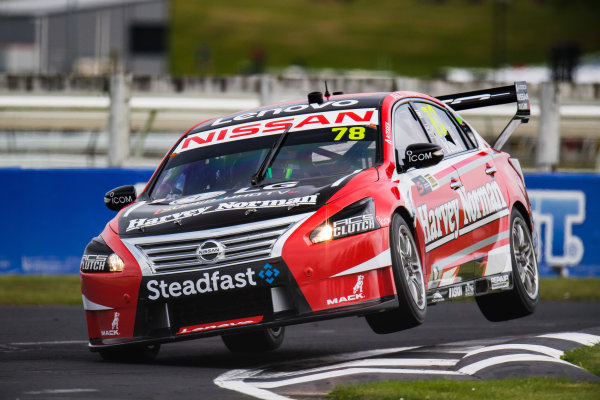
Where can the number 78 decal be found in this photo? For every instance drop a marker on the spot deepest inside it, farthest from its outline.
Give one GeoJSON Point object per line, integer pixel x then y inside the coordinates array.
{"type": "Point", "coordinates": [354, 132]}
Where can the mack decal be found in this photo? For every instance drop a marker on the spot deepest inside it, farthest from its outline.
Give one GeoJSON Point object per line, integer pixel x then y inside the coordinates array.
{"type": "Point", "coordinates": [357, 293]}
{"type": "Point", "coordinates": [209, 282]}
{"type": "Point", "coordinates": [114, 328]}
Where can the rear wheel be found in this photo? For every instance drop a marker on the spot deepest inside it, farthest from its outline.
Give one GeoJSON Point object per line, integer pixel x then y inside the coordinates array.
{"type": "Point", "coordinates": [410, 283]}
{"type": "Point", "coordinates": [522, 299]}
{"type": "Point", "coordinates": [132, 353]}
{"type": "Point", "coordinates": [255, 341]}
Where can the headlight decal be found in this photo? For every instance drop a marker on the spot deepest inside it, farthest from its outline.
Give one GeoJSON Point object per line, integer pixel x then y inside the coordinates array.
{"type": "Point", "coordinates": [98, 257]}
{"type": "Point", "coordinates": [358, 217]}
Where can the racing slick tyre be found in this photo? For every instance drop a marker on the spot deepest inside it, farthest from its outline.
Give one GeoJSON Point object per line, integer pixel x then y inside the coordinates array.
{"type": "Point", "coordinates": [410, 283]}
{"type": "Point", "coordinates": [256, 341]}
{"type": "Point", "coordinates": [522, 299]}
{"type": "Point", "coordinates": [132, 354]}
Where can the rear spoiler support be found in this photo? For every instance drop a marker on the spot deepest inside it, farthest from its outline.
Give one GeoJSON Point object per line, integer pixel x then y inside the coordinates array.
{"type": "Point", "coordinates": [492, 97]}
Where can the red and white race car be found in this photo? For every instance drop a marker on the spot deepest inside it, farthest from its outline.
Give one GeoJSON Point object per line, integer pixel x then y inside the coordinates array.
{"type": "Point", "coordinates": [373, 205]}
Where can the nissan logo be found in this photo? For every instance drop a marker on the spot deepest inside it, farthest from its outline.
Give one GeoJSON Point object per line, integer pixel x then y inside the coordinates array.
{"type": "Point", "coordinates": [210, 251]}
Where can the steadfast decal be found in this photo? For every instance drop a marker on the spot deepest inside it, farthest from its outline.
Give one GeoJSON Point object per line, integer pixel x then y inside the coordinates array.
{"type": "Point", "coordinates": [481, 205]}
{"type": "Point", "coordinates": [140, 223]}
{"type": "Point", "coordinates": [208, 282]}
{"type": "Point", "coordinates": [361, 116]}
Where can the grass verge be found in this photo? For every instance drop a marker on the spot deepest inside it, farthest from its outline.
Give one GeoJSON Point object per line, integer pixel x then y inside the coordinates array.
{"type": "Point", "coordinates": [530, 388]}
{"type": "Point", "coordinates": [65, 289]}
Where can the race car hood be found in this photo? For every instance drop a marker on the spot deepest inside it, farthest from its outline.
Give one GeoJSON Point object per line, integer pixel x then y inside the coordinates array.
{"type": "Point", "coordinates": [233, 207]}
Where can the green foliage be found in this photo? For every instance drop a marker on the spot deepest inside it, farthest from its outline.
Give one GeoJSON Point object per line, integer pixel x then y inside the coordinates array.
{"type": "Point", "coordinates": [410, 37]}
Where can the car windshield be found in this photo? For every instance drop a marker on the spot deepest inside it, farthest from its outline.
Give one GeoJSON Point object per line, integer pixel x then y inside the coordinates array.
{"type": "Point", "coordinates": [335, 150]}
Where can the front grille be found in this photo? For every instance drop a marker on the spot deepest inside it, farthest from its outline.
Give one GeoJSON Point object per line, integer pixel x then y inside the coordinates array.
{"type": "Point", "coordinates": [240, 244]}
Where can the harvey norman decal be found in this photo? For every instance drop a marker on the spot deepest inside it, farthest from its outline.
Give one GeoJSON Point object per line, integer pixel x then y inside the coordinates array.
{"type": "Point", "coordinates": [140, 223]}
{"type": "Point", "coordinates": [443, 223]}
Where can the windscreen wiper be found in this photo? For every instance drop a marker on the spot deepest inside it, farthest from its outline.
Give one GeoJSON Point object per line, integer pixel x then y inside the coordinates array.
{"type": "Point", "coordinates": [262, 170]}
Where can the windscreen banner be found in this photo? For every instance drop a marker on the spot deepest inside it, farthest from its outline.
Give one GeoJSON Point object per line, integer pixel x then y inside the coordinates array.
{"type": "Point", "coordinates": [49, 216]}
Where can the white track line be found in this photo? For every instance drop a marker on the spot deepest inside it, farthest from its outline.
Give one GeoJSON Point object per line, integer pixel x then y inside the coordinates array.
{"type": "Point", "coordinates": [49, 343]}
{"type": "Point", "coordinates": [62, 391]}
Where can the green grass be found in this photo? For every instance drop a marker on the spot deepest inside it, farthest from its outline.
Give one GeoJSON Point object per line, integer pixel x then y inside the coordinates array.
{"type": "Point", "coordinates": [570, 289]}
{"type": "Point", "coordinates": [411, 37]}
{"type": "Point", "coordinates": [39, 289]}
{"type": "Point", "coordinates": [587, 358]}
{"type": "Point", "coordinates": [530, 388]}
{"type": "Point", "coordinates": [65, 289]}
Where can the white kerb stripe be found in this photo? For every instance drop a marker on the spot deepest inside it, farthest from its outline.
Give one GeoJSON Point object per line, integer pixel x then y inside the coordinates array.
{"type": "Point", "coordinates": [583, 338]}
{"type": "Point", "coordinates": [490, 362]}
{"type": "Point", "coordinates": [549, 351]}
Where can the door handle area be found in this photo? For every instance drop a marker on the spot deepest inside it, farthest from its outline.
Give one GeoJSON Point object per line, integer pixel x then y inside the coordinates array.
{"type": "Point", "coordinates": [490, 170]}
{"type": "Point", "coordinates": [455, 184]}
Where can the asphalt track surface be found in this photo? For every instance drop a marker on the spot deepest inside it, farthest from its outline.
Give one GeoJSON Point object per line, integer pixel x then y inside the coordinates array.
{"type": "Point", "coordinates": [44, 355]}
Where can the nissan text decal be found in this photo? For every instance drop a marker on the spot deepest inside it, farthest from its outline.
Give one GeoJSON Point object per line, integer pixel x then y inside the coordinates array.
{"type": "Point", "coordinates": [361, 116]}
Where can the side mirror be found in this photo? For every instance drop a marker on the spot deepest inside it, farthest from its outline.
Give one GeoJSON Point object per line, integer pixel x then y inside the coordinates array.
{"type": "Point", "coordinates": [120, 197]}
{"type": "Point", "coordinates": [421, 155]}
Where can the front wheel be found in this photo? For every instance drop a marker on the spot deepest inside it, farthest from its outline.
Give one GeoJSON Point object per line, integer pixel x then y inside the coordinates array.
{"type": "Point", "coordinates": [522, 299]}
{"type": "Point", "coordinates": [255, 341]}
{"type": "Point", "coordinates": [410, 283]}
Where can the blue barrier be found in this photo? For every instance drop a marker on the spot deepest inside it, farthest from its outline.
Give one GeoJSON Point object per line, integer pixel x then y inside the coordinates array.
{"type": "Point", "coordinates": [50, 216]}
{"type": "Point", "coordinates": [566, 219]}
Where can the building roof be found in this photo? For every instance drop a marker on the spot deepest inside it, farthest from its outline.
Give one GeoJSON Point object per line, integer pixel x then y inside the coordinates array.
{"type": "Point", "coordinates": [38, 8]}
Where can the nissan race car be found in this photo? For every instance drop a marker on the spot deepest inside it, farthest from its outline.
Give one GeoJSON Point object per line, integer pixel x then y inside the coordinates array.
{"type": "Point", "coordinates": [376, 205]}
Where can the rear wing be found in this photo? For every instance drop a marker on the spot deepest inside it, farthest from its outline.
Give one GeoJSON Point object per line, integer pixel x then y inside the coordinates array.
{"type": "Point", "coordinates": [492, 97]}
